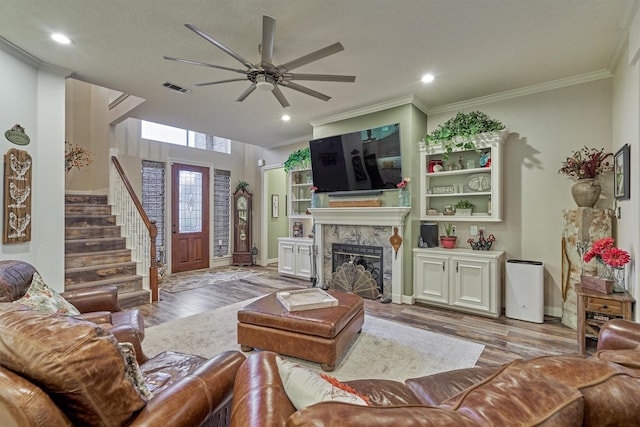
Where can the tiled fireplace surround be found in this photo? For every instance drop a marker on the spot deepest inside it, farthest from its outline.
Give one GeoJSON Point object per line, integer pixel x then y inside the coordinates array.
{"type": "Point", "coordinates": [361, 226]}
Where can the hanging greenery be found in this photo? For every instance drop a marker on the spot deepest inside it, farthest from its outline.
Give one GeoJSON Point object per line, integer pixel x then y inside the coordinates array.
{"type": "Point", "coordinates": [457, 133]}
{"type": "Point", "coordinates": [298, 159]}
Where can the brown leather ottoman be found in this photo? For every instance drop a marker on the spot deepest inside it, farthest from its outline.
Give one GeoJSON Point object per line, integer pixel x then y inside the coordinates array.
{"type": "Point", "coordinates": [320, 335]}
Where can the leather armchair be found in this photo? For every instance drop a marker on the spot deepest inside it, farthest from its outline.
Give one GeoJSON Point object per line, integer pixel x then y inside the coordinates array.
{"type": "Point", "coordinates": [56, 370]}
{"type": "Point", "coordinates": [98, 305]}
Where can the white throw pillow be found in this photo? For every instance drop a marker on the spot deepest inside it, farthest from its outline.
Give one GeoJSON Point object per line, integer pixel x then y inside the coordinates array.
{"type": "Point", "coordinates": [305, 388]}
{"type": "Point", "coordinates": [41, 297]}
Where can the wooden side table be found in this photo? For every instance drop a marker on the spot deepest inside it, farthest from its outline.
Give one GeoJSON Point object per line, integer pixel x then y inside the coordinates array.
{"type": "Point", "coordinates": [596, 308]}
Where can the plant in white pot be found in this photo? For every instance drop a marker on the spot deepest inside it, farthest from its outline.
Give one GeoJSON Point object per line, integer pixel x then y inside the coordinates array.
{"type": "Point", "coordinates": [464, 208]}
{"type": "Point", "coordinates": [448, 241]}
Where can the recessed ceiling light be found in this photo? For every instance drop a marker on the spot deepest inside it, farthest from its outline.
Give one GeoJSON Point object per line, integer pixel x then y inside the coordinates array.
{"type": "Point", "coordinates": [286, 117]}
{"type": "Point", "coordinates": [61, 38]}
{"type": "Point", "coordinates": [427, 78]}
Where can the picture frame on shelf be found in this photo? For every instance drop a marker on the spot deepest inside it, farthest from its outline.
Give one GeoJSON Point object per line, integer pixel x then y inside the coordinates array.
{"type": "Point", "coordinates": [621, 174]}
{"type": "Point", "coordinates": [275, 206]}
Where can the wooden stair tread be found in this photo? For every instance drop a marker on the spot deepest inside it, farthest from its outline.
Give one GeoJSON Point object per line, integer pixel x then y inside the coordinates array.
{"type": "Point", "coordinates": [106, 282]}
{"type": "Point", "coordinates": [101, 266]}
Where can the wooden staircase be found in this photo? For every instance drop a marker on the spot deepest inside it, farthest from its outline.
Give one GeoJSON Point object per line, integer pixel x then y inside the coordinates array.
{"type": "Point", "coordinates": [95, 253]}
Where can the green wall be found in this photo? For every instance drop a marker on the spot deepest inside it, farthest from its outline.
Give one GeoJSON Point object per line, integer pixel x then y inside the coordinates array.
{"type": "Point", "coordinates": [413, 127]}
{"type": "Point", "coordinates": [276, 181]}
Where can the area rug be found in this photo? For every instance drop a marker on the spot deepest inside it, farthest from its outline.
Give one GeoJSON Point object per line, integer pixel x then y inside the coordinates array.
{"type": "Point", "coordinates": [179, 282]}
{"type": "Point", "coordinates": [385, 349]}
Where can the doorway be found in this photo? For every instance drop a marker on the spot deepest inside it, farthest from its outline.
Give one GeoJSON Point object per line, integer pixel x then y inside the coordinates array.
{"type": "Point", "coordinates": [189, 217]}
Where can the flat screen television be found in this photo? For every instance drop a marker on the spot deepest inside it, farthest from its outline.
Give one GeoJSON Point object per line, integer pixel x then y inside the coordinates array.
{"type": "Point", "coordinates": [361, 161]}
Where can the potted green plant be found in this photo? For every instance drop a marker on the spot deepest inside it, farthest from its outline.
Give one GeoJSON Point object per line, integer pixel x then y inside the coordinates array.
{"type": "Point", "coordinates": [448, 241]}
{"type": "Point", "coordinates": [464, 207]}
{"type": "Point", "coordinates": [299, 159]}
{"type": "Point", "coordinates": [460, 132]}
{"type": "Point", "coordinates": [242, 186]}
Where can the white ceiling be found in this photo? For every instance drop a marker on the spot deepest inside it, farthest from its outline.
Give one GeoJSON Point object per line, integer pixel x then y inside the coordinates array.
{"type": "Point", "coordinates": [475, 48]}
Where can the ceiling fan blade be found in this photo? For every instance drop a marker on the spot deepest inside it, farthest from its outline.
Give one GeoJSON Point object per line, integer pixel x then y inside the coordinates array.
{"type": "Point", "coordinates": [311, 57]}
{"type": "Point", "coordinates": [204, 64]}
{"type": "Point", "coordinates": [268, 36]}
{"type": "Point", "coordinates": [220, 81]}
{"type": "Point", "coordinates": [246, 93]}
{"type": "Point", "coordinates": [220, 45]}
{"type": "Point", "coordinates": [320, 77]}
{"type": "Point", "coordinates": [305, 90]}
{"type": "Point", "coordinates": [279, 96]}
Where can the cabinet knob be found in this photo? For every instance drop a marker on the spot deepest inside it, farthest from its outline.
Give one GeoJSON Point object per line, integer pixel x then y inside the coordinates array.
{"type": "Point", "coordinates": [442, 265]}
{"type": "Point", "coordinates": [605, 306]}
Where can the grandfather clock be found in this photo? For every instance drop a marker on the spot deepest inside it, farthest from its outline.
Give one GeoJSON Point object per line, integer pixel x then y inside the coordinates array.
{"type": "Point", "coordinates": [242, 227]}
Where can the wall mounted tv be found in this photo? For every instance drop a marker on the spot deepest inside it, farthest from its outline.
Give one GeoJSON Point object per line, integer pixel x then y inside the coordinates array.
{"type": "Point", "coordinates": [358, 161]}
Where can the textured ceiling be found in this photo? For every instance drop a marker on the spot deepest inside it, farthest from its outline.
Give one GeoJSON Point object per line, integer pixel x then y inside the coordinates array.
{"type": "Point", "coordinates": [474, 48]}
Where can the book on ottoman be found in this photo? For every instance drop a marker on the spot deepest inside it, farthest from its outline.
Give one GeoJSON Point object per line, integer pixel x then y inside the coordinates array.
{"type": "Point", "coordinates": [305, 299]}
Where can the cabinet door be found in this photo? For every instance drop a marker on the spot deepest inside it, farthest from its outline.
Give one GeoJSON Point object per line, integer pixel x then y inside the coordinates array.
{"type": "Point", "coordinates": [471, 284]}
{"type": "Point", "coordinates": [431, 278]}
{"type": "Point", "coordinates": [286, 261]}
{"type": "Point", "coordinates": [303, 261]}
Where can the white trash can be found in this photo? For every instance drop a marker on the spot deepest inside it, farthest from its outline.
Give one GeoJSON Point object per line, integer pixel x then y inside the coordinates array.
{"type": "Point", "coordinates": [525, 290]}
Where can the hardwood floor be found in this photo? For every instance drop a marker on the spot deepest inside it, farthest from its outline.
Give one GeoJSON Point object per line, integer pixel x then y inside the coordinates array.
{"type": "Point", "coordinates": [504, 339]}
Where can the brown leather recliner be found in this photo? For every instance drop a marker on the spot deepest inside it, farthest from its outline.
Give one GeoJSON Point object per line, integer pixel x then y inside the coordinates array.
{"type": "Point", "coordinates": [98, 305]}
{"type": "Point", "coordinates": [563, 390]}
{"type": "Point", "coordinates": [57, 370]}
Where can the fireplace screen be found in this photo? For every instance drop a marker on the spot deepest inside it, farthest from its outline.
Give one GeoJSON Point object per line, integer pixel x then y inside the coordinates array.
{"type": "Point", "coordinates": [357, 269]}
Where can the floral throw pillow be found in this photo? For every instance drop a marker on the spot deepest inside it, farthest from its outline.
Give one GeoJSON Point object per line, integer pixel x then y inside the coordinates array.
{"type": "Point", "coordinates": [133, 370]}
{"type": "Point", "coordinates": [41, 297]}
{"type": "Point", "coordinates": [305, 388]}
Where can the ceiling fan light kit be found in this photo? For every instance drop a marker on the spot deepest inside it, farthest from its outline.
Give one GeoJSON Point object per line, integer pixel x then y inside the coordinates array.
{"type": "Point", "coordinates": [266, 76]}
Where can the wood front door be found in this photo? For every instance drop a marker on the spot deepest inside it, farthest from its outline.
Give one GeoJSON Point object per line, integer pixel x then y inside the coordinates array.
{"type": "Point", "coordinates": [189, 217]}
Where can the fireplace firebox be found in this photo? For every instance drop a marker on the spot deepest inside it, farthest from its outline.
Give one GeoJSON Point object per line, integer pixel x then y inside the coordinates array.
{"type": "Point", "coordinates": [369, 257]}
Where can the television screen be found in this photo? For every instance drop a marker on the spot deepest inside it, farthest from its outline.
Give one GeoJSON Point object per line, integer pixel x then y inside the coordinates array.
{"type": "Point", "coordinates": [357, 161]}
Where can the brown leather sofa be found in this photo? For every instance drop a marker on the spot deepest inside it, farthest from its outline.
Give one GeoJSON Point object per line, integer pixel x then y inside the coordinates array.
{"type": "Point", "coordinates": [564, 390]}
{"type": "Point", "coordinates": [57, 370]}
{"type": "Point", "coordinates": [99, 306]}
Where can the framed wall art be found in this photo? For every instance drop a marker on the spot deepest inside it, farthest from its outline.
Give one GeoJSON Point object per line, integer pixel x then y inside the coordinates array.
{"type": "Point", "coordinates": [275, 206]}
{"type": "Point", "coordinates": [17, 197]}
{"type": "Point", "coordinates": [621, 174]}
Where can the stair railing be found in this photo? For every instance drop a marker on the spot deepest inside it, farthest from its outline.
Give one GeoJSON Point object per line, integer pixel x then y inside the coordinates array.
{"type": "Point", "coordinates": [140, 231]}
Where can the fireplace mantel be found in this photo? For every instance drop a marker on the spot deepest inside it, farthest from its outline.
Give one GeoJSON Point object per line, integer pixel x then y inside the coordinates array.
{"type": "Point", "coordinates": [392, 216]}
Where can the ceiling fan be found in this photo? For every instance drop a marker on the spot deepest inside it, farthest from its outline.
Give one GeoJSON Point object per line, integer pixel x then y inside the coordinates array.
{"type": "Point", "coordinates": [267, 76]}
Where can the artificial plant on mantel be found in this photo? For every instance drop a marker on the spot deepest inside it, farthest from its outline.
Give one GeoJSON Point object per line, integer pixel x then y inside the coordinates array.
{"type": "Point", "coordinates": [458, 132]}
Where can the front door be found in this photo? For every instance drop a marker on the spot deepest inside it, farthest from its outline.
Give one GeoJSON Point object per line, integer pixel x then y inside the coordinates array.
{"type": "Point", "coordinates": [189, 217]}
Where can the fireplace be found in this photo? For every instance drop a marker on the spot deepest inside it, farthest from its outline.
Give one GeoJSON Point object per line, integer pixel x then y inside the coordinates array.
{"type": "Point", "coordinates": [361, 226]}
{"type": "Point", "coordinates": [369, 257]}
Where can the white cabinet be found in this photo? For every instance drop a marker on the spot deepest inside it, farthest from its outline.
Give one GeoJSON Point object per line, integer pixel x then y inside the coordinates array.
{"type": "Point", "coordinates": [300, 184]}
{"type": "Point", "coordinates": [473, 175]}
{"type": "Point", "coordinates": [294, 256]}
{"type": "Point", "coordinates": [460, 279]}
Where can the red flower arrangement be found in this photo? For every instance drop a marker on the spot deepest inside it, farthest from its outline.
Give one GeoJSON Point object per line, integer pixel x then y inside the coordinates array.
{"type": "Point", "coordinates": [313, 189]}
{"type": "Point", "coordinates": [404, 183]}
{"type": "Point", "coordinates": [586, 163]}
{"type": "Point", "coordinates": [604, 251]}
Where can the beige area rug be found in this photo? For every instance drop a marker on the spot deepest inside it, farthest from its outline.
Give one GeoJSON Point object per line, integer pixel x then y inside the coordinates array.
{"type": "Point", "coordinates": [179, 282]}
{"type": "Point", "coordinates": [385, 349]}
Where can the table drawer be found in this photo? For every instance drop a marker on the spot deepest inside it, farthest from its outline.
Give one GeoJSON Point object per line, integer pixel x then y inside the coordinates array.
{"type": "Point", "coordinates": [604, 305]}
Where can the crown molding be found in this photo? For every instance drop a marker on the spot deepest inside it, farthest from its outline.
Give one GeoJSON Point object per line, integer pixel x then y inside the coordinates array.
{"type": "Point", "coordinates": [527, 90]}
{"type": "Point", "coordinates": [31, 60]}
{"type": "Point", "coordinates": [369, 109]}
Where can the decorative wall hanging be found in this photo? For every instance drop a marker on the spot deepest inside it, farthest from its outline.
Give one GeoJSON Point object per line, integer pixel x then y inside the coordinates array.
{"type": "Point", "coordinates": [17, 196]}
{"type": "Point", "coordinates": [17, 135]}
{"type": "Point", "coordinates": [621, 171]}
